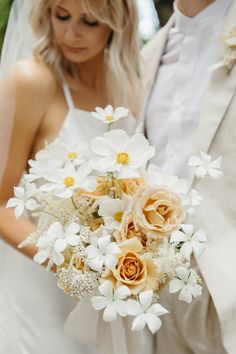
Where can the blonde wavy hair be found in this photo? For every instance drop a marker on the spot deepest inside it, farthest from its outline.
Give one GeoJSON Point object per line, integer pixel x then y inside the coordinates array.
{"type": "Point", "coordinates": [122, 56]}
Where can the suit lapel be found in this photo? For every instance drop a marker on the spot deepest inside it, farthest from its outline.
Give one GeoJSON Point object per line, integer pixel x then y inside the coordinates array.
{"type": "Point", "coordinates": [149, 73]}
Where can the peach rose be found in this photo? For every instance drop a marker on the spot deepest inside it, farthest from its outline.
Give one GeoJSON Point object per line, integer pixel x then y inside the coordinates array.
{"type": "Point", "coordinates": [128, 231]}
{"type": "Point", "coordinates": [157, 212]}
{"type": "Point", "coordinates": [131, 270]}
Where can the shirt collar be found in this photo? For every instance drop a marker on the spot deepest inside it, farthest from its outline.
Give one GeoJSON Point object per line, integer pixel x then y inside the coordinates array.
{"type": "Point", "coordinates": [211, 14]}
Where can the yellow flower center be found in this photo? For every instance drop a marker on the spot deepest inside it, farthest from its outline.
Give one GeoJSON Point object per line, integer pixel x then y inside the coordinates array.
{"type": "Point", "coordinates": [69, 181]}
{"type": "Point", "coordinates": [109, 118]}
{"type": "Point", "coordinates": [118, 216]}
{"type": "Point", "coordinates": [72, 155]}
{"type": "Point", "coordinates": [122, 158]}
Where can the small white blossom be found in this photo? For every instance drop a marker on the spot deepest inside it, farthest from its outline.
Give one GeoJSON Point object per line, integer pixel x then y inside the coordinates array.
{"type": "Point", "coordinates": [204, 165]}
{"type": "Point", "coordinates": [102, 252]}
{"type": "Point", "coordinates": [117, 152]}
{"type": "Point", "coordinates": [54, 241]}
{"type": "Point", "coordinates": [23, 199]}
{"type": "Point", "coordinates": [185, 281]}
{"type": "Point", "coordinates": [145, 312]}
{"type": "Point", "coordinates": [191, 241]}
{"type": "Point", "coordinates": [112, 301]}
{"type": "Point", "coordinates": [108, 115]}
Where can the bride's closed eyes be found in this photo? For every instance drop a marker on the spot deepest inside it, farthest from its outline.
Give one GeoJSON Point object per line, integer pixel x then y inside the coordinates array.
{"type": "Point", "coordinates": [63, 15]}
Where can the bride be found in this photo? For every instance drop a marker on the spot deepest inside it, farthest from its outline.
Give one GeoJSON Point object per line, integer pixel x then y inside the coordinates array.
{"type": "Point", "coordinates": [86, 55]}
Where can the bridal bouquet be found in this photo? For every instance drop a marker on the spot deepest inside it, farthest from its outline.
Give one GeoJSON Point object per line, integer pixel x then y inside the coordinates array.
{"type": "Point", "coordinates": [114, 231]}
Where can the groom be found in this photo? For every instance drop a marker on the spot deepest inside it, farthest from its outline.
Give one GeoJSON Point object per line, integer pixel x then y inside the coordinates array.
{"type": "Point", "coordinates": [190, 106]}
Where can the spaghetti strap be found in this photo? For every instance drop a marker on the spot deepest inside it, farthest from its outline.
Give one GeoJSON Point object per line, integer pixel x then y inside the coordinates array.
{"type": "Point", "coordinates": [68, 97]}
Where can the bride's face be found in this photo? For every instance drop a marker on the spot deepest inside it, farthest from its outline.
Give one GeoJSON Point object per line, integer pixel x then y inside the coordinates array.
{"type": "Point", "coordinates": [79, 35]}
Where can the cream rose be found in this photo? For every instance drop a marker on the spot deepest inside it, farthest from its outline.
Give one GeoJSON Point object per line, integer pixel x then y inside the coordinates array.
{"type": "Point", "coordinates": [137, 273]}
{"type": "Point", "coordinates": [157, 212]}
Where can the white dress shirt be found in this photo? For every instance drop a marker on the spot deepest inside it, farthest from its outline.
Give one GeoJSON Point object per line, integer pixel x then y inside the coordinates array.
{"type": "Point", "coordinates": [177, 98]}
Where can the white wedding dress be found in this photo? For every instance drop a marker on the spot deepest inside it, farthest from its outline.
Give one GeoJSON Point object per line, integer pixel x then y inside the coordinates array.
{"type": "Point", "coordinates": [33, 310]}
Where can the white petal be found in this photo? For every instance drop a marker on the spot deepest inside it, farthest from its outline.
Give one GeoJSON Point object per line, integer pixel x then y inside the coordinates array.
{"type": "Point", "coordinates": [110, 261]}
{"type": "Point", "coordinates": [19, 193]}
{"type": "Point", "coordinates": [113, 248]}
{"type": "Point", "coordinates": [145, 299]}
{"type": "Point", "coordinates": [60, 245]}
{"type": "Point", "coordinates": [121, 307]}
{"type": "Point", "coordinates": [106, 289]}
{"type": "Point", "coordinates": [139, 323]}
{"type": "Point", "coordinates": [99, 302]}
{"type": "Point", "coordinates": [110, 313]}
{"type": "Point", "coordinates": [103, 242]}
{"type": "Point", "coordinates": [96, 264]}
{"type": "Point", "coordinates": [133, 308]}
{"type": "Point", "coordinates": [186, 250]}
{"type": "Point", "coordinates": [157, 310]}
{"type": "Point", "coordinates": [12, 203]}
{"type": "Point", "coordinates": [187, 229]}
{"type": "Point", "coordinates": [122, 292]}
{"type": "Point", "coordinates": [185, 295]}
{"type": "Point", "coordinates": [178, 236]}
{"type": "Point", "coordinates": [214, 173]}
{"type": "Point", "coordinates": [117, 139]}
{"type": "Point", "coordinates": [153, 322]}
{"type": "Point", "coordinates": [200, 236]}
{"type": "Point", "coordinates": [72, 229]}
{"type": "Point", "coordinates": [57, 258]}
{"type": "Point", "coordinates": [175, 285]}
{"type": "Point", "coordinates": [197, 290]}
{"type": "Point", "coordinates": [198, 247]}
{"type": "Point", "coordinates": [101, 147]}
{"type": "Point", "coordinates": [19, 210]}
{"type": "Point", "coordinates": [182, 273]}
{"type": "Point", "coordinates": [41, 256]}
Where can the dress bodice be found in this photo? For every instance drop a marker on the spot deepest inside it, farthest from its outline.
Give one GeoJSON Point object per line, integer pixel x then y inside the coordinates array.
{"type": "Point", "coordinates": [80, 125]}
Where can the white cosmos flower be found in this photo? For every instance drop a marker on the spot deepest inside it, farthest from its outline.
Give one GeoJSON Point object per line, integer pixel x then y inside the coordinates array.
{"type": "Point", "coordinates": [62, 182]}
{"type": "Point", "coordinates": [102, 252]}
{"type": "Point", "coordinates": [117, 152]}
{"type": "Point", "coordinates": [50, 158]}
{"type": "Point", "coordinates": [54, 241]}
{"type": "Point", "coordinates": [204, 165]}
{"type": "Point", "coordinates": [145, 312]}
{"type": "Point", "coordinates": [112, 301]}
{"type": "Point", "coordinates": [23, 199]}
{"type": "Point", "coordinates": [185, 281]}
{"type": "Point", "coordinates": [76, 153]}
{"type": "Point", "coordinates": [191, 241]}
{"type": "Point", "coordinates": [112, 211]}
{"type": "Point", "coordinates": [108, 115]}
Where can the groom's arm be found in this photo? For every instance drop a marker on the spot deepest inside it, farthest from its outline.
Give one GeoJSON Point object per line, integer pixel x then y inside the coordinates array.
{"type": "Point", "coordinates": [5, 6]}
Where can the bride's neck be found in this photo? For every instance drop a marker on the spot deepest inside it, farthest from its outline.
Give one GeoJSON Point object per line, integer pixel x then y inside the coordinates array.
{"type": "Point", "coordinates": [92, 73]}
{"type": "Point", "coordinates": [191, 8]}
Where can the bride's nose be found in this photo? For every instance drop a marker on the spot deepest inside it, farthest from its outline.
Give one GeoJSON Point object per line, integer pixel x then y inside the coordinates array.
{"type": "Point", "coordinates": [73, 31]}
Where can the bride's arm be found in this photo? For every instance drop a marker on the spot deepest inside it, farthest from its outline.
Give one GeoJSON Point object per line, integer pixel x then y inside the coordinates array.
{"type": "Point", "coordinates": [29, 93]}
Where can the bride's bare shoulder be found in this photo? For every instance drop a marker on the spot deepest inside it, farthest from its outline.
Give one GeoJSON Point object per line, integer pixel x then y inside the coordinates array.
{"type": "Point", "coordinates": [32, 77]}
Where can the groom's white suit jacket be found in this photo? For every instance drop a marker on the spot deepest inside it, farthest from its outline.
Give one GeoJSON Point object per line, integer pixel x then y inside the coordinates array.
{"type": "Point", "coordinates": [217, 214]}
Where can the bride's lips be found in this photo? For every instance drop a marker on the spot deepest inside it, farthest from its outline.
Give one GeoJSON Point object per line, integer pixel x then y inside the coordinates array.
{"type": "Point", "coordinates": [73, 49]}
